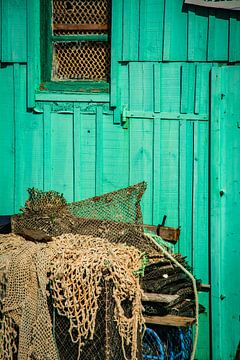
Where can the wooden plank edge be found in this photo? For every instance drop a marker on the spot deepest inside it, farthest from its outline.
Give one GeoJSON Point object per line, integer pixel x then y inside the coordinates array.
{"type": "Point", "coordinates": [170, 320]}
{"type": "Point", "coordinates": [80, 27]}
{"type": "Point", "coordinates": [162, 298]}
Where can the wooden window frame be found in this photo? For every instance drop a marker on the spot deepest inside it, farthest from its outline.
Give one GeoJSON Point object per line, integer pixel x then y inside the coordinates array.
{"type": "Point", "coordinates": [47, 40]}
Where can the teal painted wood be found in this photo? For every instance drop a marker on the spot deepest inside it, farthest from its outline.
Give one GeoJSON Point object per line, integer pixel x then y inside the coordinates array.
{"type": "Point", "coordinates": [156, 87]}
{"type": "Point", "coordinates": [225, 209]}
{"type": "Point", "coordinates": [202, 91]}
{"type": "Point", "coordinates": [130, 30]}
{"type": "Point", "coordinates": [170, 87]}
{"type": "Point", "coordinates": [188, 76]}
{"type": "Point", "coordinates": [47, 149]}
{"type": "Point", "coordinates": [173, 87]}
{"type": "Point", "coordinates": [186, 188]}
{"type": "Point", "coordinates": [7, 141]}
{"type": "Point", "coordinates": [197, 33]}
{"type": "Point", "coordinates": [0, 30]}
{"type": "Point", "coordinates": [141, 86]}
{"type": "Point", "coordinates": [87, 161]}
{"type": "Point", "coordinates": [14, 31]}
{"type": "Point", "coordinates": [200, 242]}
{"type": "Point", "coordinates": [116, 50]}
{"type": "Point", "coordinates": [218, 36]}
{"type": "Point", "coordinates": [175, 31]}
{"type": "Point", "coordinates": [62, 157]}
{"type": "Point", "coordinates": [234, 46]}
{"type": "Point", "coordinates": [115, 154]}
{"type": "Point", "coordinates": [77, 129]}
{"type": "Point", "coordinates": [33, 50]}
{"type": "Point", "coordinates": [151, 30]}
{"type": "Point", "coordinates": [99, 151]}
{"type": "Point", "coordinates": [141, 160]}
{"type": "Point", "coordinates": [168, 162]}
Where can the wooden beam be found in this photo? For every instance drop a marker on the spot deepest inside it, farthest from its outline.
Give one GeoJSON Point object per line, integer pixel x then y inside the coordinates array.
{"type": "Point", "coordinates": [167, 233]}
{"type": "Point", "coordinates": [80, 27]}
{"type": "Point", "coordinates": [162, 298]}
{"type": "Point", "coordinates": [170, 320]}
{"type": "Point", "coordinates": [204, 287]}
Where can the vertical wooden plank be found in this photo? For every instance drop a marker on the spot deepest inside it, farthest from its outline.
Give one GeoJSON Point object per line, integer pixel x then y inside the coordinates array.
{"type": "Point", "coordinates": [116, 50]}
{"type": "Point", "coordinates": [168, 163]}
{"type": "Point", "coordinates": [123, 92]}
{"type": "Point", "coordinates": [197, 33]}
{"type": "Point", "coordinates": [87, 161]}
{"type": "Point", "coordinates": [170, 87]}
{"type": "Point", "coordinates": [115, 154]}
{"type": "Point", "coordinates": [7, 135]}
{"type": "Point", "coordinates": [14, 32]}
{"type": "Point", "coordinates": [202, 88]}
{"type": "Point", "coordinates": [186, 188]}
{"type": "Point", "coordinates": [215, 214]}
{"type": "Point", "coordinates": [62, 160]}
{"type": "Point", "coordinates": [234, 44]}
{"type": "Point", "coordinates": [19, 171]}
{"type": "Point", "coordinates": [218, 36]}
{"type": "Point", "coordinates": [225, 209]}
{"type": "Point", "coordinates": [1, 30]}
{"type": "Point", "coordinates": [200, 237]}
{"type": "Point", "coordinates": [28, 142]}
{"type": "Point", "coordinates": [156, 87]}
{"type": "Point", "coordinates": [76, 152]}
{"type": "Point", "coordinates": [33, 50]}
{"type": "Point", "coordinates": [99, 150]}
{"type": "Point", "coordinates": [136, 98]}
{"type": "Point", "coordinates": [141, 160]}
{"type": "Point", "coordinates": [47, 148]}
{"type": "Point", "coordinates": [151, 30]}
{"type": "Point", "coordinates": [148, 87]}
{"type": "Point", "coordinates": [188, 87]}
{"type": "Point", "coordinates": [175, 31]}
{"type": "Point", "coordinates": [157, 216]}
{"type": "Point", "coordinates": [130, 30]}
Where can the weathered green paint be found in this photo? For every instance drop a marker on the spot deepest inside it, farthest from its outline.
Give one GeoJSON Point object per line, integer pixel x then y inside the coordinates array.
{"type": "Point", "coordinates": [14, 31]}
{"type": "Point", "coordinates": [225, 210]}
{"type": "Point", "coordinates": [68, 137]}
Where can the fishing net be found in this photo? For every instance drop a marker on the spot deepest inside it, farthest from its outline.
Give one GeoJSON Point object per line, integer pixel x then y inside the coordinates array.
{"type": "Point", "coordinates": [115, 216]}
{"type": "Point", "coordinates": [72, 282]}
{"type": "Point", "coordinates": [90, 281]}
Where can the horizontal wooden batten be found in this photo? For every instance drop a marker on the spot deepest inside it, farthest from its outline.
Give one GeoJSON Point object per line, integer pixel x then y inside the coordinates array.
{"type": "Point", "coordinates": [83, 37]}
{"type": "Point", "coordinates": [170, 320]}
{"type": "Point", "coordinates": [80, 27]}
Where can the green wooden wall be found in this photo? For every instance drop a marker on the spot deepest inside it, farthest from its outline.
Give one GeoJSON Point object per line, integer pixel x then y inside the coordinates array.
{"type": "Point", "coordinates": [153, 125]}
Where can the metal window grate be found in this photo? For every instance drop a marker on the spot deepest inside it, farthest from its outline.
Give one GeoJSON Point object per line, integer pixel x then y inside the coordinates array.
{"type": "Point", "coordinates": [95, 13]}
{"type": "Point", "coordinates": [83, 60]}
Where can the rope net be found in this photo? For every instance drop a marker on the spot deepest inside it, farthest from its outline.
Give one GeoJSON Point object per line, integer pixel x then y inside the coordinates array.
{"type": "Point", "coordinates": [72, 278]}
{"type": "Point", "coordinates": [88, 279]}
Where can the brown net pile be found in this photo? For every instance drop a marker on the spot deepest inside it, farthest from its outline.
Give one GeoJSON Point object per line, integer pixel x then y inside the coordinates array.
{"type": "Point", "coordinates": [73, 291]}
{"type": "Point", "coordinates": [115, 216]}
{"type": "Point", "coordinates": [90, 282]}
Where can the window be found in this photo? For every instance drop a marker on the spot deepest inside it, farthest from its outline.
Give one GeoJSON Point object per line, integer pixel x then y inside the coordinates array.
{"type": "Point", "coordinates": [77, 42]}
